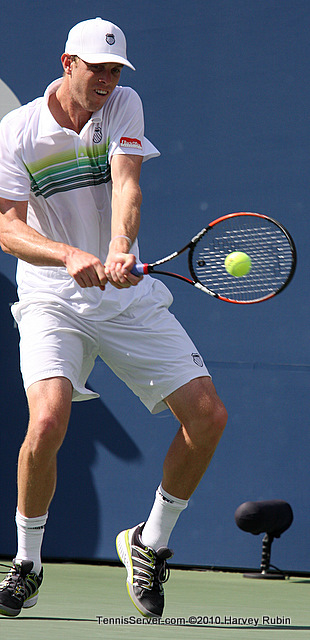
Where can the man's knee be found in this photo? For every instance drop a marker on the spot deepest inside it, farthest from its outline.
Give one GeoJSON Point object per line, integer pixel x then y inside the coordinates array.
{"type": "Point", "coordinates": [200, 410]}
{"type": "Point", "coordinates": [219, 416]}
{"type": "Point", "coordinates": [45, 435]}
{"type": "Point", "coordinates": [49, 408]}
{"type": "Point", "coordinates": [209, 420]}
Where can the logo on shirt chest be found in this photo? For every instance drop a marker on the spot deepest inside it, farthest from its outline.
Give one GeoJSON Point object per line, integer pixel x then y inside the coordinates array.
{"type": "Point", "coordinates": [133, 143]}
{"type": "Point", "coordinates": [97, 137]}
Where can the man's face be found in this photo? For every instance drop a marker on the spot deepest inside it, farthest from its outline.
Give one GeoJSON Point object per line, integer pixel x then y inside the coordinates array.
{"type": "Point", "coordinates": [92, 84]}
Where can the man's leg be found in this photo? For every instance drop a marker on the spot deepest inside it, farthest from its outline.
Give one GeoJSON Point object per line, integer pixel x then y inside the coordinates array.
{"type": "Point", "coordinates": [49, 412]}
{"type": "Point", "coordinates": [49, 408]}
{"type": "Point", "coordinates": [203, 417]}
{"type": "Point", "coordinates": [143, 549]}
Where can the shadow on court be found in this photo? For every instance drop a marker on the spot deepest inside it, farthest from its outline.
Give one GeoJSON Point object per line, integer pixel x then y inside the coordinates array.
{"type": "Point", "coordinates": [176, 625]}
{"type": "Point", "coordinates": [91, 601]}
{"type": "Point", "coordinates": [75, 502]}
{"type": "Point", "coordinates": [14, 414]}
{"type": "Point", "coordinates": [50, 619]}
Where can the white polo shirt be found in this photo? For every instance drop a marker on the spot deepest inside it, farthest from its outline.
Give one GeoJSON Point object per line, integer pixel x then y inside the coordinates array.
{"type": "Point", "coordinates": [66, 179]}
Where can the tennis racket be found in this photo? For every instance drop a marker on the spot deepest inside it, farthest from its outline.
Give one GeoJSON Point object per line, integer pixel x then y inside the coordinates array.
{"type": "Point", "coordinates": [268, 244]}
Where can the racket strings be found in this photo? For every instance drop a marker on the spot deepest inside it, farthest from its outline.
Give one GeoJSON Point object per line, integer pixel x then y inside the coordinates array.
{"type": "Point", "coordinates": [267, 246]}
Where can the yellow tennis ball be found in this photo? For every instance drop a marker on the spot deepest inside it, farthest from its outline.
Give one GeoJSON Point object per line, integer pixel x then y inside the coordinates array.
{"type": "Point", "coordinates": [238, 263]}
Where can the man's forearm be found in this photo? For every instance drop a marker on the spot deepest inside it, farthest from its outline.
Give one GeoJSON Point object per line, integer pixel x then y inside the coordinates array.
{"type": "Point", "coordinates": [21, 241]}
{"type": "Point", "coordinates": [126, 204]}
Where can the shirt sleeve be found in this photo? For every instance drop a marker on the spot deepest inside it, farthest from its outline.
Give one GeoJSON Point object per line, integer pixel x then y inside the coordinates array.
{"type": "Point", "coordinates": [14, 177]}
{"type": "Point", "coordinates": [126, 129]}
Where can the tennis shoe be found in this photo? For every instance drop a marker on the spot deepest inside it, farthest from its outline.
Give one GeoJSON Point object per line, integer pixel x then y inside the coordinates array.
{"type": "Point", "coordinates": [146, 571]}
{"type": "Point", "coordinates": [19, 588]}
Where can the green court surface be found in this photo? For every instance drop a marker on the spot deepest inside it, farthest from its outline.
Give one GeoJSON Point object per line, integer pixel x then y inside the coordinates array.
{"type": "Point", "coordinates": [90, 601]}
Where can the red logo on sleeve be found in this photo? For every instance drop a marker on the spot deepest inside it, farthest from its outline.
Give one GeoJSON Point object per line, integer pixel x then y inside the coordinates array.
{"type": "Point", "coordinates": [132, 143]}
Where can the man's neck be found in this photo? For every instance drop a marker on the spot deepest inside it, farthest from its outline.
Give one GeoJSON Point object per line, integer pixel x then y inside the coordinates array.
{"type": "Point", "coordinates": [65, 113]}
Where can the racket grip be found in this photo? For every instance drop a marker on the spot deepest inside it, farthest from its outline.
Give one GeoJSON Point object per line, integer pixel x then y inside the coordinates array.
{"type": "Point", "coordinates": [139, 269]}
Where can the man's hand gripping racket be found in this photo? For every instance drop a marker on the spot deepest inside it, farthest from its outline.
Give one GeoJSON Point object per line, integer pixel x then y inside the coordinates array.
{"type": "Point", "coordinates": [265, 242]}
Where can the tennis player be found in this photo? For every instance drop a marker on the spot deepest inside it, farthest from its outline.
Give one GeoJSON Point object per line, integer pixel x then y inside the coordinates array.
{"type": "Point", "coordinates": [70, 200]}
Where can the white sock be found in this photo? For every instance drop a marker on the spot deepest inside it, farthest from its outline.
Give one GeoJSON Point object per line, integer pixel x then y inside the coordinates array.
{"type": "Point", "coordinates": [162, 519]}
{"type": "Point", "coordinates": [30, 536]}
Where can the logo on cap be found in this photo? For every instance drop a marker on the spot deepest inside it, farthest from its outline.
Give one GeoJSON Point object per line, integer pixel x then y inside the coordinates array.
{"type": "Point", "coordinates": [110, 38]}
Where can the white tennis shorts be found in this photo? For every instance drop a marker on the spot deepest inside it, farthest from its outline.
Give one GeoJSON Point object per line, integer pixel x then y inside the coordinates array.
{"type": "Point", "coordinates": [145, 346]}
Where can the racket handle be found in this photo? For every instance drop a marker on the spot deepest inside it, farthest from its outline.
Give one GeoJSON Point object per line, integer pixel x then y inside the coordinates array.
{"type": "Point", "coordinates": [139, 269]}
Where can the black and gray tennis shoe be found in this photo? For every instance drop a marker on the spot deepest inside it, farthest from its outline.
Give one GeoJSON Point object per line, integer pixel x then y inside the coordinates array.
{"type": "Point", "coordinates": [19, 589]}
{"type": "Point", "coordinates": [146, 571]}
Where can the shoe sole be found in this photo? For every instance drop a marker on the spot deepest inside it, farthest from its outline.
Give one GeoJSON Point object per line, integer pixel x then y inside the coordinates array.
{"type": "Point", "coordinates": [12, 613]}
{"type": "Point", "coordinates": [123, 542]}
{"type": "Point", "coordinates": [123, 551]}
{"type": "Point", "coordinates": [30, 602]}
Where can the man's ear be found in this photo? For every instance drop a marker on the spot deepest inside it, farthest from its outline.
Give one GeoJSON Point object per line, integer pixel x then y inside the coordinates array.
{"type": "Point", "coordinates": [66, 63]}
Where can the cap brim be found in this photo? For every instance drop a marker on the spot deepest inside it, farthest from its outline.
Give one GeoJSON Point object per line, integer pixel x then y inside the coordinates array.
{"type": "Point", "coordinates": [102, 58]}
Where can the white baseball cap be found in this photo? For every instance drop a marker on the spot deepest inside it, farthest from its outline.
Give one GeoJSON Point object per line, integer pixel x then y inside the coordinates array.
{"type": "Point", "coordinates": [97, 41]}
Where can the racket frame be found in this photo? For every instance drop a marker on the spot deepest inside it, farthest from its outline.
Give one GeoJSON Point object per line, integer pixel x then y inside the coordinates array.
{"type": "Point", "coordinates": [152, 267]}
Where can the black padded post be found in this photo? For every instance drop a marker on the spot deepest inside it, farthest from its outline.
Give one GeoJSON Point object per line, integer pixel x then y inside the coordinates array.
{"type": "Point", "coordinates": [270, 516]}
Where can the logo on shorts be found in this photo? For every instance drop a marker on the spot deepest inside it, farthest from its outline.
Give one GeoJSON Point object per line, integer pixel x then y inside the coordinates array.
{"type": "Point", "coordinates": [197, 359]}
{"type": "Point", "coordinates": [133, 143]}
{"type": "Point", "coordinates": [97, 137]}
{"type": "Point", "coordinates": [110, 38]}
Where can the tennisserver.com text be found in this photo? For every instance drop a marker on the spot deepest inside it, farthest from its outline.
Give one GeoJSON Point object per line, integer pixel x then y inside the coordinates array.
{"type": "Point", "coordinates": [229, 620]}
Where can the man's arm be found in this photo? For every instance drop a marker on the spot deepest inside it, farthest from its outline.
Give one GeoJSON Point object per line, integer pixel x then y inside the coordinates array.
{"type": "Point", "coordinates": [126, 204]}
{"type": "Point", "coordinates": [20, 240]}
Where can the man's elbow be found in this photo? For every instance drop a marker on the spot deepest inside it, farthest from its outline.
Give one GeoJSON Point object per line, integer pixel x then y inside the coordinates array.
{"type": "Point", "coordinates": [3, 246]}
{"type": "Point", "coordinates": [138, 196]}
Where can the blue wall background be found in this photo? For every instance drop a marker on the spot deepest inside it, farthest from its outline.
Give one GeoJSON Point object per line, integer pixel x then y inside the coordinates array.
{"type": "Point", "coordinates": [226, 96]}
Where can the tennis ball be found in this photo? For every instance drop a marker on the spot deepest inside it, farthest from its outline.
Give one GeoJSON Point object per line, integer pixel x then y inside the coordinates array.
{"type": "Point", "coordinates": [238, 263]}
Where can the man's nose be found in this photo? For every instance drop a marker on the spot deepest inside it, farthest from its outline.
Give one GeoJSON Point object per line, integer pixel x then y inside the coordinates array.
{"type": "Point", "coordinates": [105, 76]}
